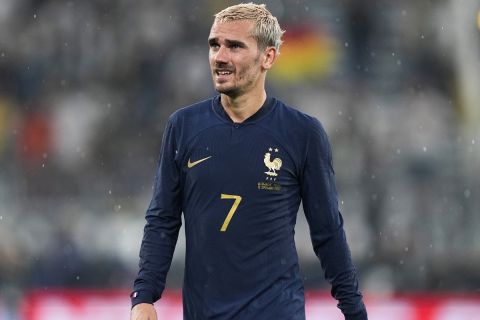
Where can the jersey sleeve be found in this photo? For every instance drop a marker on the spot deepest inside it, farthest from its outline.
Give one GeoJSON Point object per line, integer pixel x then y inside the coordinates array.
{"type": "Point", "coordinates": [163, 222]}
{"type": "Point", "coordinates": [320, 205]}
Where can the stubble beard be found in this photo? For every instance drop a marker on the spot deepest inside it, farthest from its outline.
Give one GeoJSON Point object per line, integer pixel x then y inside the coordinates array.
{"type": "Point", "coordinates": [236, 90]}
{"type": "Point", "coordinates": [231, 92]}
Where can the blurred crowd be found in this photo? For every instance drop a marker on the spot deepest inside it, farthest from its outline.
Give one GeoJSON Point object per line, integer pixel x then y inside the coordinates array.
{"type": "Point", "coordinates": [86, 88]}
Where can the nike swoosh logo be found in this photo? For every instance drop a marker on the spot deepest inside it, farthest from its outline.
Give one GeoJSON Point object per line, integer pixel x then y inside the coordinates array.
{"type": "Point", "coordinates": [193, 164]}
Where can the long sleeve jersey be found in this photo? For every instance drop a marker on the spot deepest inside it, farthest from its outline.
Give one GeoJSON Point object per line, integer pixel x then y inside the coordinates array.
{"type": "Point", "coordinates": [239, 187]}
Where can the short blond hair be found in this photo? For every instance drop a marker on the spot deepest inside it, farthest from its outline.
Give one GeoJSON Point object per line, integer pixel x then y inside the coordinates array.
{"type": "Point", "coordinates": [267, 31]}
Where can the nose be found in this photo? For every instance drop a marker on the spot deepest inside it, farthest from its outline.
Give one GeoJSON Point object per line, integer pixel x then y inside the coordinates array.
{"type": "Point", "coordinates": [221, 56]}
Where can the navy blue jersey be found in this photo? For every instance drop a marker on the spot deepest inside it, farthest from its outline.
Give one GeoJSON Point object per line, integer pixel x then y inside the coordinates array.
{"type": "Point", "coordinates": [239, 186]}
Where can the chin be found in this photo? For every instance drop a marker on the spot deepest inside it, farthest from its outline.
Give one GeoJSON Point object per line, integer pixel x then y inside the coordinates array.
{"type": "Point", "coordinates": [229, 91]}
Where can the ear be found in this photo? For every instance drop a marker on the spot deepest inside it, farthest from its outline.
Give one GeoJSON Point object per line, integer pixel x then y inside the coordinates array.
{"type": "Point", "coordinates": [269, 57]}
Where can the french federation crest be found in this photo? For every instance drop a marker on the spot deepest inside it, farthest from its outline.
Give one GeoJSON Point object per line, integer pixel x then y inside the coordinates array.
{"type": "Point", "coordinates": [273, 164]}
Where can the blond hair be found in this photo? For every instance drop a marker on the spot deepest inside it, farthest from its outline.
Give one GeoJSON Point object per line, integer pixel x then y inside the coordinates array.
{"type": "Point", "coordinates": [267, 31]}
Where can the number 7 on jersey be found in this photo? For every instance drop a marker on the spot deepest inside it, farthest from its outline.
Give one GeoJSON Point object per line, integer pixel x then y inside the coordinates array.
{"type": "Point", "coordinates": [232, 209]}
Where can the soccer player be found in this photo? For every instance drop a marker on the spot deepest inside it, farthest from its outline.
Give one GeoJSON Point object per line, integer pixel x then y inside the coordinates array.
{"type": "Point", "coordinates": [237, 165]}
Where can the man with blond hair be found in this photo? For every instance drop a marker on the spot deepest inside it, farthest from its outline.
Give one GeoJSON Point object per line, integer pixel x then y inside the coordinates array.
{"type": "Point", "coordinates": [238, 165]}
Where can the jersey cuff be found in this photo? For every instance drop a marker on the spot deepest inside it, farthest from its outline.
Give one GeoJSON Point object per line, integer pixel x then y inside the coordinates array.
{"type": "Point", "coordinates": [361, 315]}
{"type": "Point", "coordinates": [141, 296]}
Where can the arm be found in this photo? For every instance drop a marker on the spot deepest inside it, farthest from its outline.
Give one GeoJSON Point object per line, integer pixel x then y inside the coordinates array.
{"type": "Point", "coordinates": [163, 224]}
{"type": "Point", "coordinates": [319, 197]}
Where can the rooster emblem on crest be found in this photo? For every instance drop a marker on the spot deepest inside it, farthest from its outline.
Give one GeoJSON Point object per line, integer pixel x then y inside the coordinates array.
{"type": "Point", "coordinates": [272, 165]}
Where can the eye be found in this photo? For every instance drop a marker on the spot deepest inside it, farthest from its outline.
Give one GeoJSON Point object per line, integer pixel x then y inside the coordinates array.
{"type": "Point", "coordinates": [235, 45]}
{"type": "Point", "coordinates": [213, 44]}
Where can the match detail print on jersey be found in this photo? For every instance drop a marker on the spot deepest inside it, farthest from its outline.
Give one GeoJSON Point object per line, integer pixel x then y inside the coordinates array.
{"type": "Point", "coordinates": [194, 163]}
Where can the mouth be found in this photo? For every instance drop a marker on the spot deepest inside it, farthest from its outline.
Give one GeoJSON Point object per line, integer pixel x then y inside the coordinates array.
{"type": "Point", "coordinates": [222, 76]}
{"type": "Point", "coordinates": [223, 72]}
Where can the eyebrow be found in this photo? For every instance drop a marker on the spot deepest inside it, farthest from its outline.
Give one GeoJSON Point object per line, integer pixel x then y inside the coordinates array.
{"type": "Point", "coordinates": [235, 42]}
{"type": "Point", "coordinates": [228, 42]}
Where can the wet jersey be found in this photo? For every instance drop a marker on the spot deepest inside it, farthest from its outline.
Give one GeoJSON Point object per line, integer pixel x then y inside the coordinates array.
{"type": "Point", "coordinates": [239, 187]}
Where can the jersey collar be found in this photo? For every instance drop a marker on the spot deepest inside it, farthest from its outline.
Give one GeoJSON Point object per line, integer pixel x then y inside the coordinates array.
{"type": "Point", "coordinates": [264, 110]}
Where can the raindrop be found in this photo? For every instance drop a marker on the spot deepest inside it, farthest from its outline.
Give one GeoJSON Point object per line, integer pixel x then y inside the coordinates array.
{"type": "Point", "coordinates": [34, 16]}
{"type": "Point", "coordinates": [109, 191]}
{"type": "Point", "coordinates": [78, 277]}
{"type": "Point", "coordinates": [467, 193]}
{"type": "Point", "coordinates": [346, 44]}
{"type": "Point", "coordinates": [424, 149]}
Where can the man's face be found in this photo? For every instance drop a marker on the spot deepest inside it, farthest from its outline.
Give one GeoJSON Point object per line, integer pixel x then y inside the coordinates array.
{"type": "Point", "coordinates": [234, 57]}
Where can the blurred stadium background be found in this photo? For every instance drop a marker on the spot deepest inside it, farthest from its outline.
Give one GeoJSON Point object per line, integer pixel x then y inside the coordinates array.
{"type": "Point", "coordinates": [86, 87]}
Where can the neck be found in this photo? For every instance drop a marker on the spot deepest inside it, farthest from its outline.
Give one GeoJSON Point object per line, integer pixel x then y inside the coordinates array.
{"type": "Point", "coordinates": [242, 107]}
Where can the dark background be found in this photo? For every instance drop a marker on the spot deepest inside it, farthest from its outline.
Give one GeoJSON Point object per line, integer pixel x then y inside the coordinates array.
{"type": "Point", "coordinates": [86, 87]}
